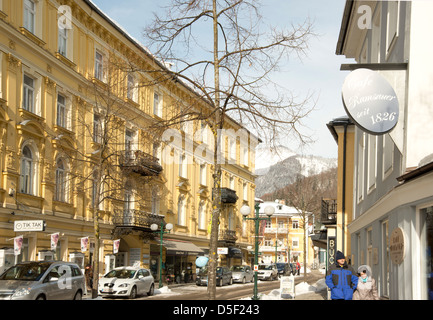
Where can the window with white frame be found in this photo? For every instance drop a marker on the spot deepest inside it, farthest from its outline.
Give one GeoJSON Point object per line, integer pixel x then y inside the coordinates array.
{"type": "Point", "coordinates": [376, 40]}
{"type": "Point", "coordinates": [181, 214]}
{"type": "Point", "coordinates": [97, 128]}
{"type": "Point", "coordinates": [388, 154]}
{"type": "Point", "coordinates": [132, 92]}
{"type": "Point", "coordinates": [372, 161]}
{"type": "Point", "coordinates": [245, 156]}
{"type": "Point", "coordinates": [155, 200]}
{"type": "Point", "coordinates": [63, 42]}
{"type": "Point", "coordinates": [295, 242]}
{"type": "Point", "coordinates": [231, 222]}
{"type": "Point", "coordinates": [61, 181]}
{"type": "Point", "coordinates": [157, 151]}
{"type": "Point", "coordinates": [245, 191]}
{"type": "Point", "coordinates": [202, 215]}
{"type": "Point", "coordinates": [392, 24]}
{"type": "Point", "coordinates": [29, 15]}
{"type": "Point", "coordinates": [203, 174]}
{"type": "Point", "coordinates": [370, 246]}
{"type": "Point", "coordinates": [28, 174]}
{"type": "Point", "coordinates": [99, 65]}
{"type": "Point", "coordinates": [232, 182]}
{"type": "Point", "coordinates": [63, 112]}
{"type": "Point", "coordinates": [29, 93]}
{"type": "Point", "coordinates": [157, 104]}
{"type": "Point", "coordinates": [129, 143]}
{"type": "Point", "coordinates": [232, 149]}
{"type": "Point", "coordinates": [183, 165]}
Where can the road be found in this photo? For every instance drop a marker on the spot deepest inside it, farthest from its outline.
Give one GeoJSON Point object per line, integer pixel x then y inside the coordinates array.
{"type": "Point", "coordinates": [227, 292]}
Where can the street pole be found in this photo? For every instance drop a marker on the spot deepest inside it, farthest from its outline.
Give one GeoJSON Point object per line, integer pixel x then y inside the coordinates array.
{"type": "Point", "coordinates": [154, 228]}
{"type": "Point", "coordinates": [256, 252]}
{"type": "Point", "coordinates": [245, 212]}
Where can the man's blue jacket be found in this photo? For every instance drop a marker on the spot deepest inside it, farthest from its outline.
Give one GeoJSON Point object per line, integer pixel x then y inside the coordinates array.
{"type": "Point", "coordinates": [342, 281]}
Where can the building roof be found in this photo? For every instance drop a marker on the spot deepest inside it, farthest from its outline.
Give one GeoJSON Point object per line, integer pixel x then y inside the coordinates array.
{"type": "Point", "coordinates": [280, 209]}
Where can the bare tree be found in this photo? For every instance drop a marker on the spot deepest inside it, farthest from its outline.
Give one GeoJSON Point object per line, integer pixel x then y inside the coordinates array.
{"type": "Point", "coordinates": [305, 194]}
{"type": "Point", "coordinates": [218, 49]}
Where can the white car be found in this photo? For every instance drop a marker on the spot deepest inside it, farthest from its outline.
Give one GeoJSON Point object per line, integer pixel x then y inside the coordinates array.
{"type": "Point", "coordinates": [126, 282]}
{"type": "Point", "coordinates": [267, 272]}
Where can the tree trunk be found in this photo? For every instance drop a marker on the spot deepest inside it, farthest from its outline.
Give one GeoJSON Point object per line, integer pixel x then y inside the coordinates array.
{"type": "Point", "coordinates": [216, 203]}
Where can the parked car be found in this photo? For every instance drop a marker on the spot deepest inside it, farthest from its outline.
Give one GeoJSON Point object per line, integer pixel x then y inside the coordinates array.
{"type": "Point", "coordinates": [284, 269]}
{"type": "Point", "coordinates": [242, 274]}
{"type": "Point", "coordinates": [223, 276]}
{"type": "Point", "coordinates": [42, 280]}
{"type": "Point", "coordinates": [267, 272]}
{"type": "Point", "coordinates": [126, 282]}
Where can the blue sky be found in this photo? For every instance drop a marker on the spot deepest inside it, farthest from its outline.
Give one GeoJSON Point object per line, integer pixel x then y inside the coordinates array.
{"type": "Point", "coordinates": [318, 72]}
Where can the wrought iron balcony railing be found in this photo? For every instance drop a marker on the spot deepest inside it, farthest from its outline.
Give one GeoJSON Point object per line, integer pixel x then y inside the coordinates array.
{"type": "Point", "coordinates": [227, 195]}
{"type": "Point", "coordinates": [140, 162]}
{"type": "Point", "coordinates": [136, 218]}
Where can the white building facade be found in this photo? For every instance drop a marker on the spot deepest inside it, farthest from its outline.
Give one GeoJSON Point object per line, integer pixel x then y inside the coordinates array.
{"type": "Point", "coordinates": [392, 228]}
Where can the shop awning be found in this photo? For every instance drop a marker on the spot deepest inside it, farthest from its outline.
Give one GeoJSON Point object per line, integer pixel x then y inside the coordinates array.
{"type": "Point", "coordinates": [181, 248]}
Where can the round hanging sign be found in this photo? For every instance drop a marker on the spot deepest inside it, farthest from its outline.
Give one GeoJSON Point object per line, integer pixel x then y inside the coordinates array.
{"type": "Point", "coordinates": [370, 101]}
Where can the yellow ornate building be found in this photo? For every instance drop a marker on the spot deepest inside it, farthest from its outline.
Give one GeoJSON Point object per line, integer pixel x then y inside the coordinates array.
{"type": "Point", "coordinates": [76, 119]}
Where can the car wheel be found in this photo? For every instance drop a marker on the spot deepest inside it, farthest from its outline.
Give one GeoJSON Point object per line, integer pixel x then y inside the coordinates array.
{"type": "Point", "coordinates": [220, 284]}
{"type": "Point", "coordinates": [151, 290]}
{"type": "Point", "coordinates": [78, 296]}
{"type": "Point", "coordinates": [41, 297]}
{"type": "Point", "coordinates": [231, 281]}
{"type": "Point", "coordinates": [244, 280]}
{"type": "Point", "coordinates": [133, 293]}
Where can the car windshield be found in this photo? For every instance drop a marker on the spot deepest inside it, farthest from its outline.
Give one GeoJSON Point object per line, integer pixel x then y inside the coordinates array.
{"type": "Point", "coordinates": [265, 267]}
{"type": "Point", "coordinates": [238, 268]}
{"type": "Point", "coordinates": [27, 272]}
{"type": "Point", "coordinates": [121, 273]}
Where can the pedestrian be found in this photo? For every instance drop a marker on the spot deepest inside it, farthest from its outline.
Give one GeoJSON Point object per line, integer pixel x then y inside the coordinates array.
{"type": "Point", "coordinates": [89, 277]}
{"type": "Point", "coordinates": [341, 279]}
{"type": "Point", "coordinates": [298, 267]}
{"type": "Point", "coordinates": [366, 288]}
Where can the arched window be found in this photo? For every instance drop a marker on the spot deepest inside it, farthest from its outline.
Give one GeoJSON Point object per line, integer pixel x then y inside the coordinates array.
{"type": "Point", "coordinates": [61, 181]}
{"type": "Point", "coordinates": [27, 171]}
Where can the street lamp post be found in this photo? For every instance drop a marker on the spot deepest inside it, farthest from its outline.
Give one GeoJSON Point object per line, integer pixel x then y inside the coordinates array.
{"type": "Point", "coordinates": [154, 228]}
{"type": "Point", "coordinates": [245, 211]}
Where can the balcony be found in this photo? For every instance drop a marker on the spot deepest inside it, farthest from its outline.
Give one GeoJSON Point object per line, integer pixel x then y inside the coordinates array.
{"type": "Point", "coordinates": [139, 162]}
{"type": "Point", "coordinates": [227, 236]}
{"type": "Point", "coordinates": [329, 211]}
{"type": "Point", "coordinates": [135, 219]}
{"type": "Point", "coordinates": [227, 195]}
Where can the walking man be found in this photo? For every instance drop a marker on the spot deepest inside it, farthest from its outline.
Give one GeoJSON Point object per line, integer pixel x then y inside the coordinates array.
{"type": "Point", "coordinates": [341, 279]}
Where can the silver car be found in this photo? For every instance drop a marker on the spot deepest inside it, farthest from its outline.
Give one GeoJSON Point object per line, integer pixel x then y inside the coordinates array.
{"type": "Point", "coordinates": [126, 282]}
{"type": "Point", "coordinates": [242, 274]}
{"type": "Point", "coordinates": [42, 280]}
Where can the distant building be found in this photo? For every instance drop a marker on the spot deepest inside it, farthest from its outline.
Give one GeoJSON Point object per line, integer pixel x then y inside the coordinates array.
{"type": "Point", "coordinates": [282, 238]}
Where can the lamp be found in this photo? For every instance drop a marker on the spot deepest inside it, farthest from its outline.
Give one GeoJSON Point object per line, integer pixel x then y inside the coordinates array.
{"type": "Point", "coordinates": [245, 210]}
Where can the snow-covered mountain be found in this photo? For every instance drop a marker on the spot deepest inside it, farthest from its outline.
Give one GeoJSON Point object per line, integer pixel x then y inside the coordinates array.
{"type": "Point", "coordinates": [277, 171]}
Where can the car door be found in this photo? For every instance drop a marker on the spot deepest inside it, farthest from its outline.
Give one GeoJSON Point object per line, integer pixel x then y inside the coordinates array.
{"type": "Point", "coordinates": [51, 285]}
{"type": "Point", "coordinates": [147, 280]}
{"type": "Point", "coordinates": [249, 274]}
